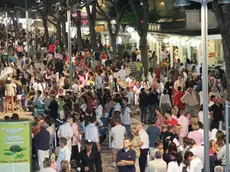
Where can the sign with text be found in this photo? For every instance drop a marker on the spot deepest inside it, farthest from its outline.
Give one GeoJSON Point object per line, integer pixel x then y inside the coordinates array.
{"type": "Point", "coordinates": [15, 146]}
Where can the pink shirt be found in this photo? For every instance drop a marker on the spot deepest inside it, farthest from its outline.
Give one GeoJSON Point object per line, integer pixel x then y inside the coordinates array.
{"type": "Point", "coordinates": [83, 81]}
{"type": "Point", "coordinates": [197, 136]}
{"type": "Point", "coordinates": [184, 122]}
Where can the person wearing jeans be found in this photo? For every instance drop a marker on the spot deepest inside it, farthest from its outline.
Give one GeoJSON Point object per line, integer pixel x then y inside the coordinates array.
{"type": "Point", "coordinates": [153, 100]}
{"type": "Point", "coordinates": [126, 115]}
{"type": "Point", "coordinates": [143, 98]}
{"type": "Point", "coordinates": [144, 147]}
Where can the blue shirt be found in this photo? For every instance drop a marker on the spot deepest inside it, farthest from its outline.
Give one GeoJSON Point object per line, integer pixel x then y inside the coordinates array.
{"type": "Point", "coordinates": [154, 135]}
{"type": "Point", "coordinates": [91, 133]}
{"type": "Point", "coordinates": [129, 155]}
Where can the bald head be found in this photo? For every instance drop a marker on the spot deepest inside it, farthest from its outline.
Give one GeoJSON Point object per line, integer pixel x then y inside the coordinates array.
{"type": "Point", "coordinates": [139, 127]}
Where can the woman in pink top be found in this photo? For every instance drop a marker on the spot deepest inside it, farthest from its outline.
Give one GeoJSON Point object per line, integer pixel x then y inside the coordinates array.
{"type": "Point", "coordinates": [196, 135]}
{"type": "Point", "coordinates": [159, 118]}
{"type": "Point", "coordinates": [75, 140]}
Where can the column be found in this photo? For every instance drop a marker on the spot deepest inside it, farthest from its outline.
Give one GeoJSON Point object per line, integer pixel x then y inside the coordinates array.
{"type": "Point", "coordinates": [180, 52]}
{"type": "Point", "coordinates": [188, 51]}
{"type": "Point", "coordinates": [157, 50]}
{"type": "Point", "coordinates": [171, 55]}
{"type": "Point", "coordinates": [102, 38]}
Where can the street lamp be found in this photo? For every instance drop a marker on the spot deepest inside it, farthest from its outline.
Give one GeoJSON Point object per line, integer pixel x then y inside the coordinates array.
{"type": "Point", "coordinates": [204, 34]}
{"type": "Point", "coordinates": [7, 38]}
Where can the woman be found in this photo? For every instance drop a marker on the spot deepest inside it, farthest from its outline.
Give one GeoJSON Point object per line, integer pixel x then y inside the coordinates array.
{"type": "Point", "coordinates": [135, 143]}
{"type": "Point", "coordinates": [75, 139]}
{"type": "Point", "coordinates": [176, 165]}
{"type": "Point", "coordinates": [65, 167]}
{"type": "Point", "coordinates": [160, 118]}
{"type": "Point", "coordinates": [9, 94]}
{"type": "Point", "coordinates": [196, 135]}
{"type": "Point", "coordinates": [165, 103]}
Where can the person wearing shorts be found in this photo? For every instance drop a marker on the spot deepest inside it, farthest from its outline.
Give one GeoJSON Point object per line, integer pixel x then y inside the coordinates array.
{"type": "Point", "coordinates": [118, 133]}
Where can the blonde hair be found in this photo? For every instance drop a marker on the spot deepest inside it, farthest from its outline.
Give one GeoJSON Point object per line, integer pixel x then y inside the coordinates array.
{"type": "Point", "coordinates": [65, 167]}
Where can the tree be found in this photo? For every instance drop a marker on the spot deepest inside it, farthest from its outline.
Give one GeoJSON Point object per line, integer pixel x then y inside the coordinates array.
{"type": "Point", "coordinates": [115, 12]}
{"type": "Point", "coordinates": [91, 13]}
{"type": "Point", "coordinates": [78, 25]}
{"type": "Point", "coordinates": [141, 11]}
{"type": "Point", "coordinates": [222, 13]}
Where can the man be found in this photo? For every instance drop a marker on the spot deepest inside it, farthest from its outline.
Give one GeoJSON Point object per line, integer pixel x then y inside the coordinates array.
{"type": "Point", "coordinates": [92, 133]}
{"type": "Point", "coordinates": [197, 151]}
{"type": "Point", "coordinates": [64, 152]}
{"type": "Point", "coordinates": [177, 98]}
{"type": "Point", "coordinates": [179, 82]}
{"type": "Point", "coordinates": [158, 164]}
{"type": "Point", "coordinates": [46, 101]}
{"type": "Point", "coordinates": [190, 101]}
{"type": "Point", "coordinates": [154, 135]}
{"type": "Point", "coordinates": [53, 108]}
{"type": "Point", "coordinates": [126, 115]}
{"type": "Point", "coordinates": [36, 129]}
{"type": "Point", "coordinates": [217, 111]}
{"type": "Point", "coordinates": [143, 103]}
{"type": "Point", "coordinates": [98, 109]}
{"type": "Point", "coordinates": [117, 133]}
{"type": "Point", "coordinates": [98, 83]}
{"type": "Point", "coordinates": [184, 123]}
{"type": "Point", "coordinates": [144, 147]}
{"type": "Point", "coordinates": [38, 104]}
{"type": "Point", "coordinates": [126, 158]}
{"type": "Point", "coordinates": [66, 131]}
{"type": "Point", "coordinates": [153, 100]}
{"type": "Point", "coordinates": [170, 121]}
{"type": "Point", "coordinates": [42, 140]}
{"type": "Point", "coordinates": [47, 168]}
{"type": "Point", "coordinates": [195, 163]}
{"type": "Point", "coordinates": [87, 158]}
{"type": "Point", "coordinates": [218, 168]}
{"type": "Point", "coordinates": [122, 74]}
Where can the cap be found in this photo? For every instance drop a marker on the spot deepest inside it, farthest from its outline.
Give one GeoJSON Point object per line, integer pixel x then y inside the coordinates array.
{"type": "Point", "coordinates": [88, 142]}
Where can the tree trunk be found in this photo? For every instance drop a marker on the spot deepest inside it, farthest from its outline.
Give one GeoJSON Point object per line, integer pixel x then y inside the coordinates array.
{"type": "Point", "coordinates": [114, 43]}
{"type": "Point", "coordinates": [45, 25]}
{"type": "Point", "coordinates": [226, 46]}
{"type": "Point", "coordinates": [79, 38]}
{"type": "Point", "coordinates": [15, 24]}
{"type": "Point", "coordinates": [144, 54]}
{"type": "Point", "coordinates": [91, 19]}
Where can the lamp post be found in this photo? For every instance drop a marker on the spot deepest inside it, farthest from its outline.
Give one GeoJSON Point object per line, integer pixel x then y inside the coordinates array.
{"type": "Point", "coordinates": [7, 38]}
{"type": "Point", "coordinates": [204, 33]}
{"type": "Point", "coordinates": [69, 42]}
{"type": "Point", "coordinates": [27, 28]}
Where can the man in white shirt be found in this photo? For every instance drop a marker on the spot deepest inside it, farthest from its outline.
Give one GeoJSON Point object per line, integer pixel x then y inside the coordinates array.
{"type": "Point", "coordinates": [64, 152]}
{"type": "Point", "coordinates": [66, 131]}
{"type": "Point", "coordinates": [118, 134]}
{"type": "Point", "coordinates": [122, 74]}
{"type": "Point", "coordinates": [98, 109]}
{"type": "Point", "coordinates": [195, 163]}
{"type": "Point", "coordinates": [158, 164]}
{"type": "Point", "coordinates": [144, 147]}
{"type": "Point", "coordinates": [197, 151]}
{"type": "Point", "coordinates": [92, 133]}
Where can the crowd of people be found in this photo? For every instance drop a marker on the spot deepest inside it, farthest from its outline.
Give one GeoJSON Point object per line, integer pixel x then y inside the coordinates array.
{"type": "Point", "coordinates": [73, 119]}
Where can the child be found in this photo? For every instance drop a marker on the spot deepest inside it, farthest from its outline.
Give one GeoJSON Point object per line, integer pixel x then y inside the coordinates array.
{"type": "Point", "coordinates": [53, 161]}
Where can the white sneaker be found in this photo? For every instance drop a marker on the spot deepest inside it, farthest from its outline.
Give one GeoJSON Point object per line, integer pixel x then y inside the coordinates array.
{"type": "Point", "coordinates": [114, 165]}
